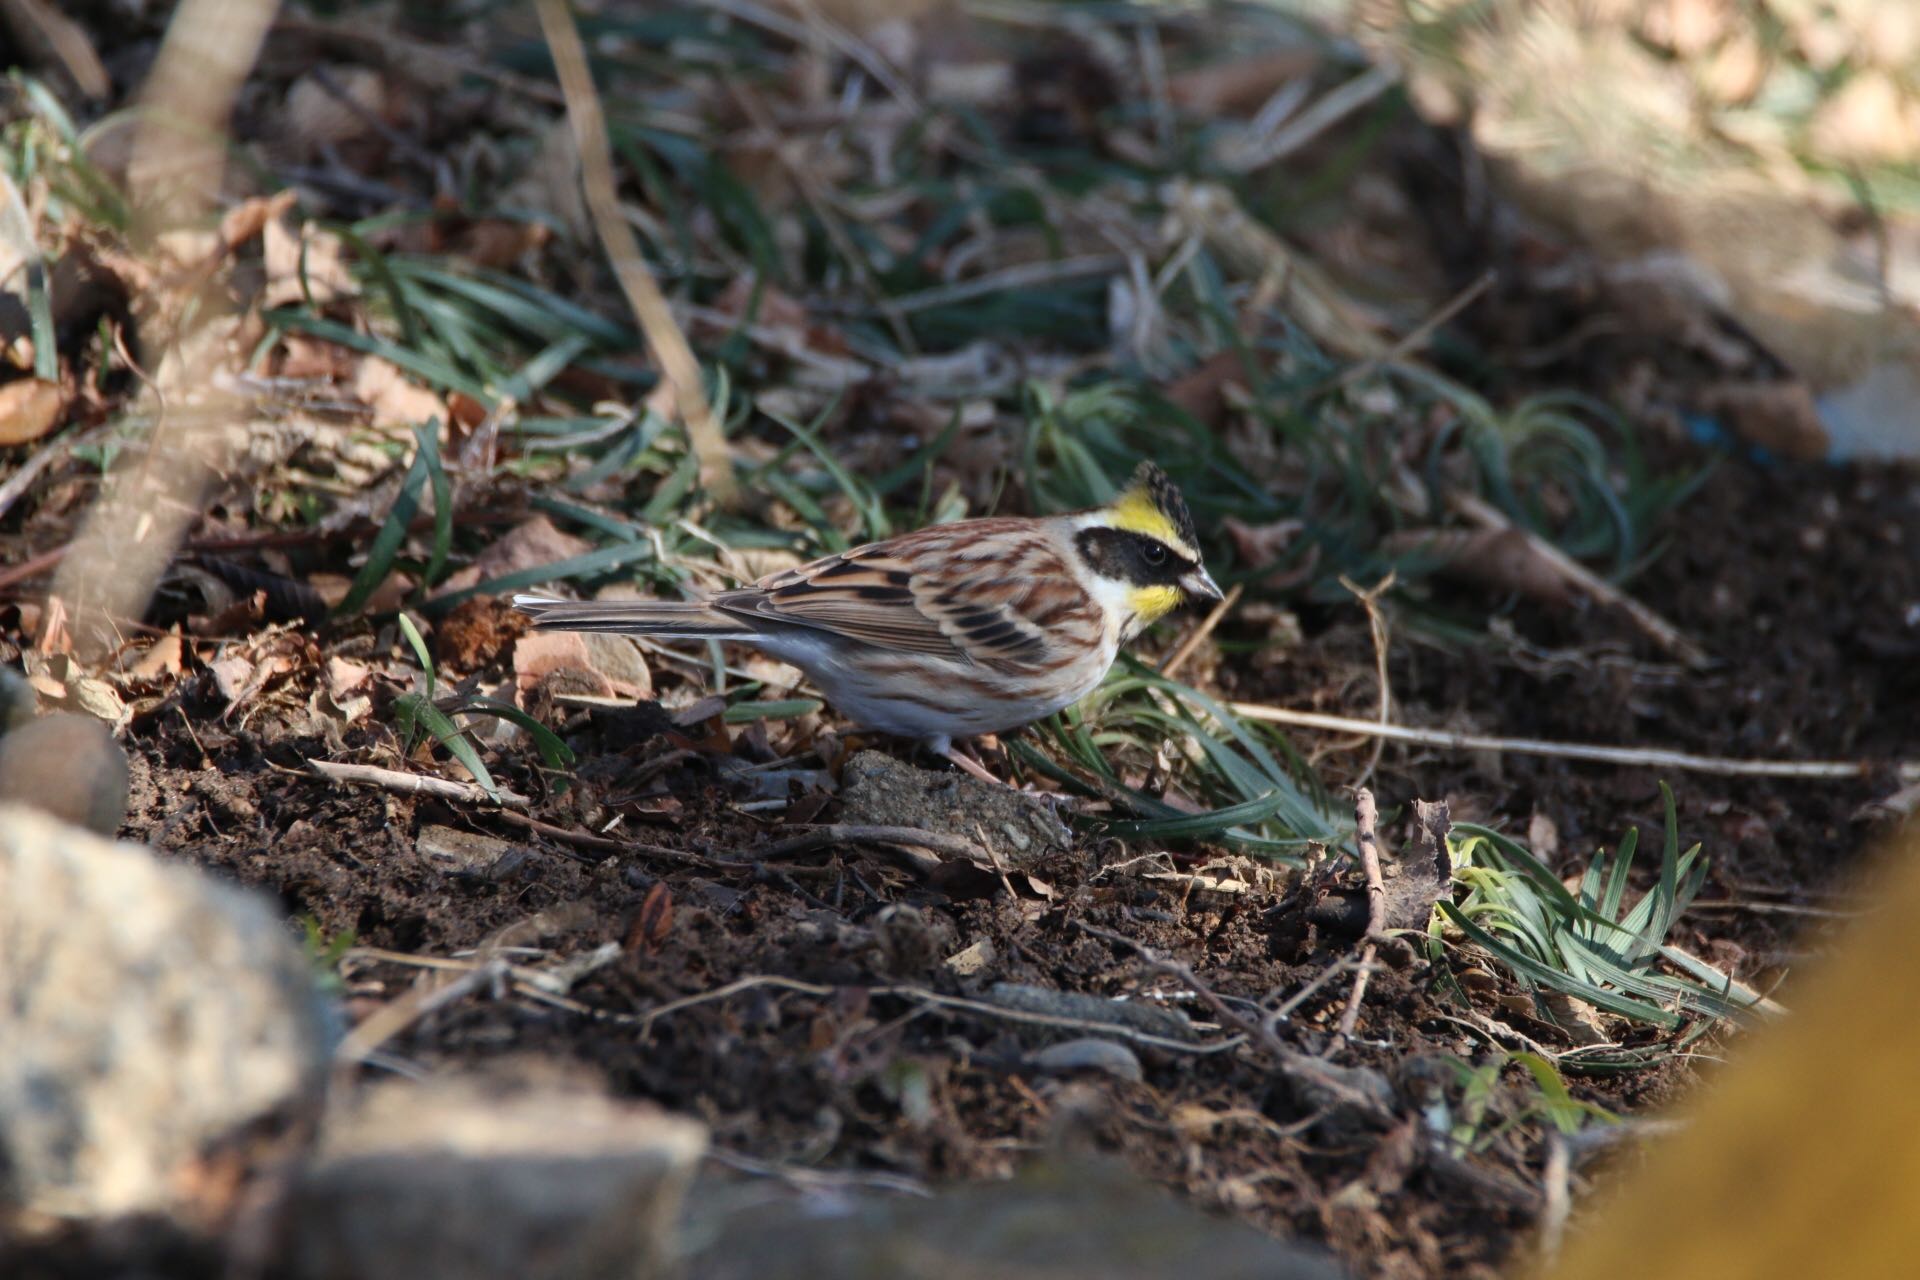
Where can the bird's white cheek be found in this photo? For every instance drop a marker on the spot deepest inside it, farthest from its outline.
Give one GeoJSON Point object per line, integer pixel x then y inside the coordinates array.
{"type": "Point", "coordinates": [1116, 607]}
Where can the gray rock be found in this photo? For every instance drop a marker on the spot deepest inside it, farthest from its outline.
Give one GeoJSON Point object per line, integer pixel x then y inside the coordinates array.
{"type": "Point", "coordinates": [880, 791]}
{"type": "Point", "coordinates": [68, 766]}
{"type": "Point", "coordinates": [1063, 1219]}
{"type": "Point", "coordinates": [458, 1180]}
{"type": "Point", "coordinates": [146, 1011]}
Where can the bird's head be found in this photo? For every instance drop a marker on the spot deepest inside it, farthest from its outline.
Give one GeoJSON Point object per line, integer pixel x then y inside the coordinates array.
{"type": "Point", "coordinates": [1143, 546]}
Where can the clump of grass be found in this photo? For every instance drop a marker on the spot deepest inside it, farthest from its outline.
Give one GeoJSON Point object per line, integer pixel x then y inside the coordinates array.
{"type": "Point", "coordinates": [419, 712]}
{"type": "Point", "coordinates": [1486, 1113]}
{"type": "Point", "coordinates": [1587, 943]}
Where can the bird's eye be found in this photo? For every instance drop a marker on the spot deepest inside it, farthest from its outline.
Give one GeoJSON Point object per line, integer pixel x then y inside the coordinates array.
{"type": "Point", "coordinates": [1154, 554]}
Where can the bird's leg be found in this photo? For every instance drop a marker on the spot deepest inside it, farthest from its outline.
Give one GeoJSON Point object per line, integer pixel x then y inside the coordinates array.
{"type": "Point", "coordinates": [966, 763]}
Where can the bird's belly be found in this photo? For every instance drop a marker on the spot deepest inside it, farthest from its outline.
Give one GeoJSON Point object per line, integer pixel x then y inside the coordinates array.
{"type": "Point", "coordinates": [928, 698]}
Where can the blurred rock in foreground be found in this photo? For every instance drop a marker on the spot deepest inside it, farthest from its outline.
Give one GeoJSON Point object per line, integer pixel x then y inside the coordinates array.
{"type": "Point", "coordinates": [460, 1180]}
{"type": "Point", "coordinates": [68, 766]}
{"type": "Point", "coordinates": [147, 1015]}
{"type": "Point", "coordinates": [1065, 1220]}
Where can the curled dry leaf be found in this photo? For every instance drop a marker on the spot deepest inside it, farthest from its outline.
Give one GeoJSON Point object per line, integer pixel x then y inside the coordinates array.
{"type": "Point", "coordinates": [29, 409]}
{"type": "Point", "coordinates": [1260, 545]}
{"type": "Point", "coordinates": [250, 217]}
{"type": "Point", "coordinates": [345, 675]}
{"type": "Point", "coordinates": [653, 923]}
{"type": "Point", "coordinates": [527, 545]}
{"type": "Point", "coordinates": [1499, 559]}
{"type": "Point", "coordinates": [395, 402]}
{"type": "Point", "coordinates": [164, 657]}
{"type": "Point", "coordinates": [560, 661]}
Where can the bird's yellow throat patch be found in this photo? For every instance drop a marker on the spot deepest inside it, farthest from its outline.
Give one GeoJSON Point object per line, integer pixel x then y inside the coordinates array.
{"type": "Point", "coordinates": [1152, 603]}
{"type": "Point", "coordinates": [1136, 512]}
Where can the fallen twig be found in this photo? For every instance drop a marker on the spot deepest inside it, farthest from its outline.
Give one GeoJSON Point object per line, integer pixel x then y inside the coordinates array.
{"type": "Point", "coordinates": [1366, 817]}
{"type": "Point", "coordinates": [1658, 629]}
{"type": "Point", "coordinates": [1377, 627]}
{"type": "Point", "coordinates": [932, 999]}
{"type": "Point", "coordinates": [417, 784]}
{"type": "Point", "coordinates": [1330, 1082]}
{"type": "Point", "coordinates": [1647, 757]}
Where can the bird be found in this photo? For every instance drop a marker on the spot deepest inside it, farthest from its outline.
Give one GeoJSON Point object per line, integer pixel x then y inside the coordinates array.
{"type": "Point", "coordinates": [954, 630]}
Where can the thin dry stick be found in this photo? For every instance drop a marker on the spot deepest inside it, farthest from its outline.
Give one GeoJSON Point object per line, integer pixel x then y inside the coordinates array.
{"type": "Point", "coordinates": [649, 305]}
{"type": "Point", "coordinates": [1658, 629]}
{"type": "Point", "coordinates": [1410, 341]}
{"type": "Point", "coordinates": [1647, 757]}
{"type": "Point", "coordinates": [396, 1016]}
{"type": "Point", "coordinates": [417, 784]}
{"type": "Point", "coordinates": [1292, 1062]}
{"type": "Point", "coordinates": [1556, 1191]}
{"type": "Point", "coordinates": [932, 999]}
{"type": "Point", "coordinates": [1377, 626]}
{"type": "Point", "coordinates": [1171, 667]}
{"type": "Point", "coordinates": [606, 843]}
{"type": "Point", "coordinates": [1366, 833]}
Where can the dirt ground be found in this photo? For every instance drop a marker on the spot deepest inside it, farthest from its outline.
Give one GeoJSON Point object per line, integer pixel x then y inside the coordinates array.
{"type": "Point", "coordinates": [801, 1001]}
{"type": "Point", "coordinates": [1810, 659]}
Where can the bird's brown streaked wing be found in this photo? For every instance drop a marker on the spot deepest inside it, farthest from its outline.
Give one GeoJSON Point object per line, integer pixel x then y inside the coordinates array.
{"type": "Point", "coordinates": [990, 590]}
{"type": "Point", "coordinates": [865, 594]}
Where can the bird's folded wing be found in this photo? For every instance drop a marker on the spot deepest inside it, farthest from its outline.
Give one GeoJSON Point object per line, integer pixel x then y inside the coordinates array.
{"type": "Point", "coordinates": [895, 600]}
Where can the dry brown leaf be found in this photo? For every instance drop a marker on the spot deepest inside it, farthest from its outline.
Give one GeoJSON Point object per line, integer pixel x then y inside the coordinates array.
{"type": "Point", "coordinates": [1777, 416]}
{"type": "Point", "coordinates": [345, 675]}
{"type": "Point", "coordinates": [527, 545]}
{"type": "Point", "coordinates": [653, 924]}
{"type": "Point", "coordinates": [560, 660]}
{"type": "Point", "coordinates": [29, 409]}
{"type": "Point", "coordinates": [388, 596]}
{"type": "Point", "coordinates": [250, 217]}
{"type": "Point", "coordinates": [395, 402]}
{"type": "Point", "coordinates": [163, 658]}
{"type": "Point", "coordinates": [305, 357]}
{"type": "Point", "coordinates": [1500, 559]}
{"type": "Point", "coordinates": [332, 107]}
{"type": "Point", "coordinates": [231, 676]}
{"type": "Point", "coordinates": [1260, 545]}
{"type": "Point", "coordinates": [620, 660]}
{"type": "Point", "coordinates": [1870, 120]}
{"type": "Point", "coordinates": [1201, 392]}
{"type": "Point", "coordinates": [325, 269]}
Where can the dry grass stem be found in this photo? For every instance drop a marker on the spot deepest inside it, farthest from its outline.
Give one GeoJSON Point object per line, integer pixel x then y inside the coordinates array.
{"type": "Point", "coordinates": [413, 784]}
{"type": "Point", "coordinates": [664, 336]}
{"type": "Point", "coordinates": [1634, 757]}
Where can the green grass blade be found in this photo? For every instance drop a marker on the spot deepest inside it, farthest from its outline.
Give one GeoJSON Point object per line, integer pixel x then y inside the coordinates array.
{"type": "Point", "coordinates": [386, 543]}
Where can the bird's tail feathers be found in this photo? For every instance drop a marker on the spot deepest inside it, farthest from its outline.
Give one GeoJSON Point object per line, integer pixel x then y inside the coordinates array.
{"type": "Point", "coordinates": [632, 617]}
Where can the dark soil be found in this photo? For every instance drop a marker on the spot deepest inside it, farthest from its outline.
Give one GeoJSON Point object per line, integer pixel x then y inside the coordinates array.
{"type": "Point", "coordinates": [1812, 584]}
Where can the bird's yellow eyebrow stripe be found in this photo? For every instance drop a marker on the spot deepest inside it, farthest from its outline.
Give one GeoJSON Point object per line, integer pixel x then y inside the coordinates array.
{"type": "Point", "coordinates": [1136, 513]}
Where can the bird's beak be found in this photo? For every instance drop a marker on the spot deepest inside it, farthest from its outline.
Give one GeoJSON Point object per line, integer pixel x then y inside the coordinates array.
{"type": "Point", "coordinates": [1197, 584]}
